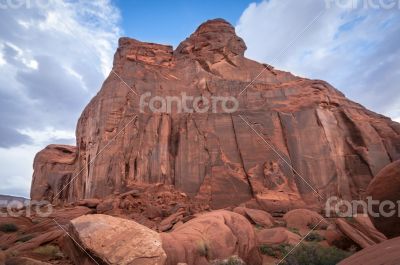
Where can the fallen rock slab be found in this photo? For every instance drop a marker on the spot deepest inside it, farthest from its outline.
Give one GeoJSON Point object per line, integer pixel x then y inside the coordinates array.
{"type": "Point", "coordinates": [38, 241]}
{"type": "Point", "coordinates": [385, 253]}
{"type": "Point", "coordinates": [361, 230]}
{"type": "Point", "coordinates": [118, 241]}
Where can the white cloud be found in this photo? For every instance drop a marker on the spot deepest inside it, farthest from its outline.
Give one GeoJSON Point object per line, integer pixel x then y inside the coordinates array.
{"type": "Point", "coordinates": [16, 169]}
{"type": "Point", "coordinates": [48, 135]}
{"type": "Point", "coordinates": [2, 61]}
{"type": "Point", "coordinates": [355, 50]}
{"type": "Point", "coordinates": [53, 60]}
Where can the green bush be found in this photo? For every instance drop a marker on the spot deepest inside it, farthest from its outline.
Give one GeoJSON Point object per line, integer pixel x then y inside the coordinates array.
{"type": "Point", "coordinates": [258, 227]}
{"type": "Point", "coordinates": [267, 250]}
{"type": "Point", "coordinates": [276, 251]}
{"type": "Point", "coordinates": [314, 254]}
{"type": "Point", "coordinates": [314, 237]}
{"type": "Point", "coordinates": [294, 230]}
{"type": "Point", "coordinates": [8, 228]}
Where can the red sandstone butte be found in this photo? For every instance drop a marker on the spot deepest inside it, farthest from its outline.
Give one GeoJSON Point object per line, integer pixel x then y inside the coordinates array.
{"type": "Point", "coordinates": [336, 145]}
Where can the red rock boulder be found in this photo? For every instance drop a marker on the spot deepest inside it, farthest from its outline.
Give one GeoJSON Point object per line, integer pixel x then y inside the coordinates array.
{"type": "Point", "coordinates": [257, 217]}
{"type": "Point", "coordinates": [212, 236]}
{"type": "Point", "coordinates": [386, 187]}
{"type": "Point", "coordinates": [361, 231]}
{"type": "Point", "coordinates": [277, 236]}
{"type": "Point", "coordinates": [385, 253]}
{"type": "Point", "coordinates": [304, 220]}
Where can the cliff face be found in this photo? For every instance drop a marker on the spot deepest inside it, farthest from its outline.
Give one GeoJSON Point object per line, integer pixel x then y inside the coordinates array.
{"type": "Point", "coordinates": [333, 144]}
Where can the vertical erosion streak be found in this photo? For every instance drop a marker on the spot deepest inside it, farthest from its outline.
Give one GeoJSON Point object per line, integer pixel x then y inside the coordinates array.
{"type": "Point", "coordinates": [241, 157]}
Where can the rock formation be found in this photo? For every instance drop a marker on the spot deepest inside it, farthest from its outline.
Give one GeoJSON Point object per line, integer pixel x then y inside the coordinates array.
{"type": "Point", "coordinates": [128, 243]}
{"type": "Point", "coordinates": [385, 188]}
{"type": "Point", "coordinates": [332, 144]}
{"type": "Point", "coordinates": [361, 231]}
{"type": "Point", "coordinates": [212, 236]}
{"type": "Point", "coordinates": [385, 253]}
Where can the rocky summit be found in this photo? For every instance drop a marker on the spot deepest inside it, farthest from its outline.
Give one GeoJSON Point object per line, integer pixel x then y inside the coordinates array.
{"type": "Point", "coordinates": [290, 141]}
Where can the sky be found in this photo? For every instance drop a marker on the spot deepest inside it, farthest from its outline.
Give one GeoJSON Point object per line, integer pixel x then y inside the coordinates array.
{"type": "Point", "coordinates": [54, 56]}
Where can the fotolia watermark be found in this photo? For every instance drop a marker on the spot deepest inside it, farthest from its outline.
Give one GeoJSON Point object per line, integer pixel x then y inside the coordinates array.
{"type": "Point", "coordinates": [27, 208]}
{"type": "Point", "coordinates": [363, 4]}
{"type": "Point", "coordinates": [335, 206]}
{"type": "Point", "coordinates": [188, 104]}
{"type": "Point", "coordinates": [17, 4]}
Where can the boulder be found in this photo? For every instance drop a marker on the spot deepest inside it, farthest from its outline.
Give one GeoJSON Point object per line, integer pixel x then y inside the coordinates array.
{"type": "Point", "coordinates": [360, 230]}
{"type": "Point", "coordinates": [385, 253]}
{"type": "Point", "coordinates": [119, 241]}
{"type": "Point", "coordinates": [304, 220]}
{"type": "Point", "coordinates": [257, 217]}
{"type": "Point", "coordinates": [54, 169]}
{"type": "Point", "coordinates": [277, 236]}
{"type": "Point", "coordinates": [280, 202]}
{"type": "Point", "coordinates": [386, 187]}
{"type": "Point", "coordinates": [105, 206]}
{"type": "Point", "coordinates": [90, 203]}
{"type": "Point", "coordinates": [171, 220]}
{"type": "Point", "coordinates": [211, 236]}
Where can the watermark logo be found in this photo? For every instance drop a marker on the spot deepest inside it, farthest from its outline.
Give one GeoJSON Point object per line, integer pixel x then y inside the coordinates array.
{"type": "Point", "coordinates": [335, 206]}
{"type": "Point", "coordinates": [27, 208]}
{"type": "Point", "coordinates": [187, 104]}
{"type": "Point", "coordinates": [363, 4]}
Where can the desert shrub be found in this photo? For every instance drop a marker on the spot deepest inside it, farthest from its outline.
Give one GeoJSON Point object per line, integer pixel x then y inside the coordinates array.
{"type": "Point", "coordinates": [267, 250]}
{"type": "Point", "coordinates": [202, 248]}
{"type": "Point", "coordinates": [276, 251]}
{"type": "Point", "coordinates": [314, 237]}
{"type": "Point", "coordinates": [8, 228]}
{"type": "Point", "coordinates": [258, 227]}
{"type": "Point", "coordinates": [294, 230]}
{"type": "Point", "coordinates": [49, 250]}
{"type": "Point", "coordinates": [314, 254]}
